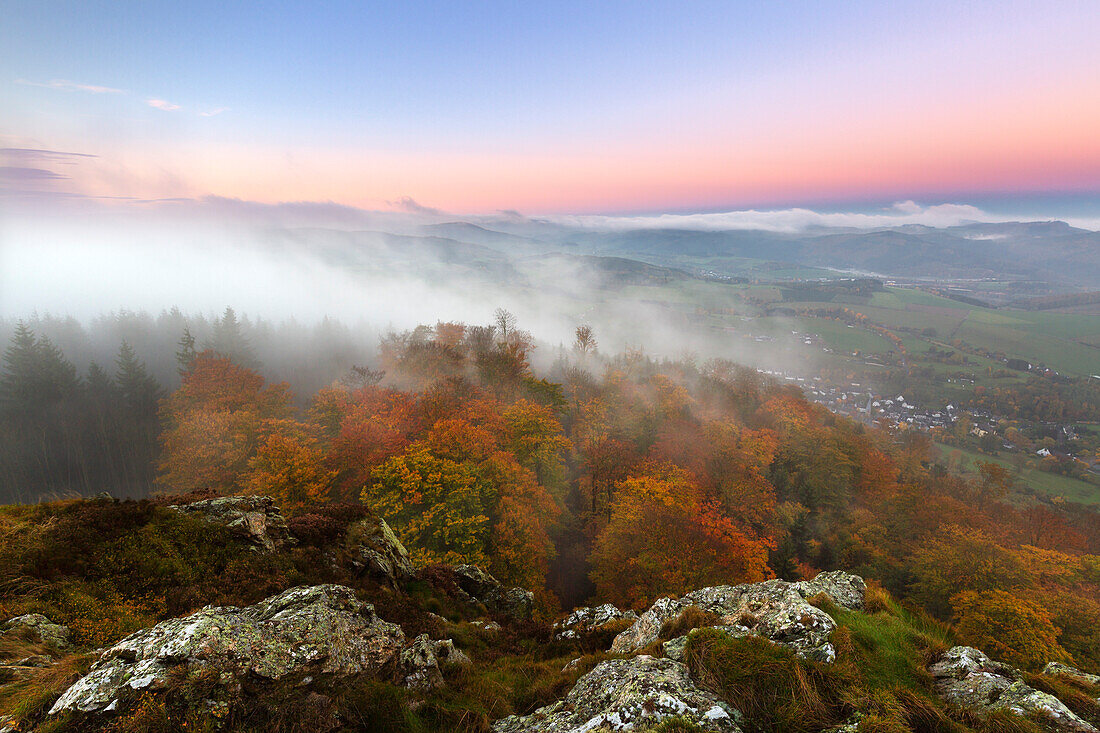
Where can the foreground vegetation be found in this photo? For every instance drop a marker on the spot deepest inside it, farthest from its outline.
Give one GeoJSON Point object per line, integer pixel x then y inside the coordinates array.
{"type": "Point", "coordinates": [619, 479]}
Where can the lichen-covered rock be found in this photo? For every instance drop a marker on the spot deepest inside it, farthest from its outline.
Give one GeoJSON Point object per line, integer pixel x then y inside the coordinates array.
{"type": "Point", "coordinates": [1058, 669]}
{"type": "Point", "coordinates": [774, 609]}
{"type": "Point", "coordinates": [421, 662]}
{"type": "Point", "coordinates": [254, 518]}
{"type": "Point", "coordinates": [846, 590]}
{"type": "Point", "coordinates": [22, 669]}
{"type": "Point", "coordinates": [447, 653]}
{"type": "Point", "coordinates": [309, 631]}
{"type": "Point", "coordinates": [37, 629]}
{"type": "Point", "coordinates": [376, 547]}
{"type": "Point", "coordinates": [480, 586]}
{"type": "Point", "coordinates": [589, 619]}
{"type": "Point", "coordinates": [625, 694]}
{"type": "Point", "coordinates": [968, 678]}
{"type": "Point", "coordinates": [419, 665]}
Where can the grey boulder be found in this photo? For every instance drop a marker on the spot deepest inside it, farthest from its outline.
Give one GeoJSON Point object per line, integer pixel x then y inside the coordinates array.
{"type": "Point", "coordinates": [589, 619]}
{"type": "Point", "coordinates": [255, 519]}
{"type": "Point", "coordinates": [1057, 669]}
{"type": "Point", "coordinates": [37, 629]}
{"type": "Point", "coordinates": [968, 678]}
{"type": "Point", "coordinates": [845, 590]}
{"type": "Point", "coordinates": [479, 585]}
{"type": "Point", "coordinates": [422, 660]}
{"type": "Point", "coordinates": [375, 546]}
{"type": "Point", "coordinates": [627, 694]}
{"type": "Point", "coordinates": [308, 632]}
{"type": "Point", "coordinates": [775, 609]}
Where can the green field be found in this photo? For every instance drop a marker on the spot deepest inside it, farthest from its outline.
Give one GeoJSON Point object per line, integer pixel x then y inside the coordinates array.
{"type": "Point", "coordinates": [1061, 341]}
{"type": "Point", "coordinates": [1051, 484]}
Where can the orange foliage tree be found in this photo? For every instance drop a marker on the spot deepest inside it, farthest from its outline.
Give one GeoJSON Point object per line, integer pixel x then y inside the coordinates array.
{"type": "Point", "coordinates": [663, 537]}
{"type": "Point", "coordinates": [215, 422]}
{"type": "Point", "coordinates": [454, 496]}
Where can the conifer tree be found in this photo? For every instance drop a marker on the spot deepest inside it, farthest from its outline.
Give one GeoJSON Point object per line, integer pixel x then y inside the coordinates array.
{"type": "Point", "coordinates": [230, 342]}
{"type": "Point", "coordinates": [186, 354]}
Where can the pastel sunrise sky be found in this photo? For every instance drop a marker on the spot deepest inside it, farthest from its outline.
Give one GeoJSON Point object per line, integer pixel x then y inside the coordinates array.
{"type": "Point", "coordinates": [552, 107]}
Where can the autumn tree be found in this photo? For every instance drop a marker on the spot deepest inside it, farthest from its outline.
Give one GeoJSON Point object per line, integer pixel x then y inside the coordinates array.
{"type": "Point", "coordinates": [361, 429]}
{"type": "Point", "coordinates": [534, 436]}
{"type": "Point", "coordinates": [215, 422]}
{"type": "Point", "coordinates": [438, 507]}
{"type": "Point", "coordinates": [960, 559]}
{"type": "Point", "coordinates": [584, 342]}
{"type": "Point", "coordinates": [289, 466]}
{"type": "Point", "coordinates": [1008, 628]}
{"type": "Point", "coordinates": [664, 538]}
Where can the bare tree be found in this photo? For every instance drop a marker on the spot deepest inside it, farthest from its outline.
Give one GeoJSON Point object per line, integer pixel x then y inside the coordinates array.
{"type": "Point", "coordinates": [505, 322]}
{"type": "Point", "coordinates": [585, 341]}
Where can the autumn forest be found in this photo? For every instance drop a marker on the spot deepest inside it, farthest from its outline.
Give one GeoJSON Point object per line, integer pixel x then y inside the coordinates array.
{"type": "Point", "coordinates": [607, 478]}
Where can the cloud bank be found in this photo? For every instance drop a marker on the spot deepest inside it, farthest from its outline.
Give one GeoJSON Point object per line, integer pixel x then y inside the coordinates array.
{"type": "Point", "coordinates": [792, 220]}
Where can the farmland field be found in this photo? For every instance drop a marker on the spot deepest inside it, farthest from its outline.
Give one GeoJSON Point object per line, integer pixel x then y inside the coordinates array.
{"type": "Point", "coordinates": [1051, 484]}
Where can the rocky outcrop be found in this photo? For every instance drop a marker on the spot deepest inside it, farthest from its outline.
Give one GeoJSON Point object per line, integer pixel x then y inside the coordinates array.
{"type": "Point", "coordinates": [845, 590]}
{"type": "Point", "coordinates": [376, 548]}
{"type": "Point", "coordinates": [482, 587]}
{"type": "Point", "coordinates": [1057, 669]}
{"type": "Point", "coordinates": [422, 660]}
{"type": "Point", "coordinates": [624, 694]}
{"type": "Point", "coordinates": [586, 620]}
{"type": "Point", "coordinates": [256, 519]}
{"type": "Point", "coordinates": [968, 678]}
{"type": "Point", "coordinates": [419, 665]}
{"type": "Point", "coordinates": [37, 629]}
{"type": "Point", "coordinates": [305, 633]}
{"type": "Point", "coordinates": [775, 609]}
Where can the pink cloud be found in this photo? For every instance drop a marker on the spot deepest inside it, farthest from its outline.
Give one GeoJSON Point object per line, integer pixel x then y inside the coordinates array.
{"type": "Point", "coordinates": [162, 104]}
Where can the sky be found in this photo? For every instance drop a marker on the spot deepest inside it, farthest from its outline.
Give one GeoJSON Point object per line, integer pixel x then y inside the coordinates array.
{"type": "Point", "coordinates": [576, 108]}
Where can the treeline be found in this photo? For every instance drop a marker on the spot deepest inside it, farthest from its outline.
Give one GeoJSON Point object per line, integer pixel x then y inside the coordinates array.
{"type": "Point", "coordinates": [63, 433]}
{"type": "Point", "coordinates": [308, 356]}
{"type": "Point", "coordinates": [79, 404]}
{"type": "Point", "coordinates": [623, 479]}
{"type": "Point", "coordinates": [1041, 398]}
{"type": "Point", "coordinates": [1067, 300]}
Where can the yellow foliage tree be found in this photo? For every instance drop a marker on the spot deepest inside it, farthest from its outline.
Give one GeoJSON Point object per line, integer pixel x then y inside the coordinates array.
{"type": "Point", "coordinates": [1008, 628]}
{"type": "Point", "coordinates": [290, 468]}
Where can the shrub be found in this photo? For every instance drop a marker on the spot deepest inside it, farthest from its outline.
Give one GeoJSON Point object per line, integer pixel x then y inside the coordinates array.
{"type": "Point", "coordinates": [1007, 628]}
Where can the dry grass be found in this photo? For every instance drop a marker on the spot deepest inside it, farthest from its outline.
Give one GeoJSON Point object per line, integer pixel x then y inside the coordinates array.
{"type": "Point", "coordinates": [876, 599]}
{"type": "Point", "coordinates": [690, 618]}
{"type": "Point", "coordinates": [29, 699]}
{"type": "Point", "coordinates": [774, 689]}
